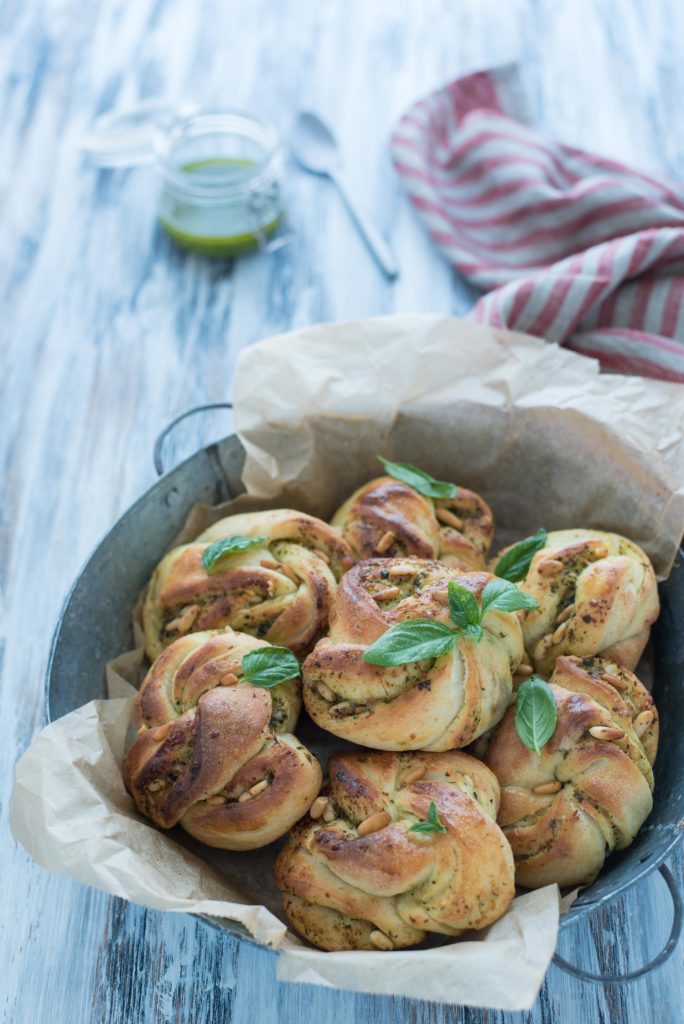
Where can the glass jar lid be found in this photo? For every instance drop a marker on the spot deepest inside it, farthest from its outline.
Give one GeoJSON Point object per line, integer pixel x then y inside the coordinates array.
{"type": "Point", "coordinates": [126, 138]}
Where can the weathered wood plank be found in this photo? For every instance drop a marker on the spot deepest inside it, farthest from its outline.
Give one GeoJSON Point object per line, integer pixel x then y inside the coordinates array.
{"type": "Point", "coordinates": [107, 333]}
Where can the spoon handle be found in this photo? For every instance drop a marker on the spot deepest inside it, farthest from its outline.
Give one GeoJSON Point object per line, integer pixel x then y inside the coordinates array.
{"type": "Point", "coordinates": [372, 237]}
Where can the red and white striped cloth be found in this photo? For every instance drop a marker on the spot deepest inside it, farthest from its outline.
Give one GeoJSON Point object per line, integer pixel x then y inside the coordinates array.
{"type": "Point", "coordinates": [571, 247]}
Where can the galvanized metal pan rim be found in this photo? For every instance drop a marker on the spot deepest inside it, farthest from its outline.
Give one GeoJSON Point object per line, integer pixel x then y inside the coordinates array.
{"type": "Point", "coordinates": [125, 516]}
{"type": "Point", "coordinates": [581, 908]}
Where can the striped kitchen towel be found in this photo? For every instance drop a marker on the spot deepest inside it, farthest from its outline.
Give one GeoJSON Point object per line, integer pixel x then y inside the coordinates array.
{"type": "Point", "coordinates": [571, 247]}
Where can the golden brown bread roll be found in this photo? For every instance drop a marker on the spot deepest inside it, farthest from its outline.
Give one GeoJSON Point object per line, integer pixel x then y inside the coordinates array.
{"type": "Point", "coordinates": [436, 704]}
{"type": "Point", "coordinates": [356, 878]}
{"type": "Point", "coordinates": [388, 518]}
{"type": "Point", "coordinates": [597, 595]}
{"type": "Point", "coordinates": [280, 589]}
{"type": "Point", "coordinates": [214, 753]}
{"type": "Point", "coordinates": [589, 791]}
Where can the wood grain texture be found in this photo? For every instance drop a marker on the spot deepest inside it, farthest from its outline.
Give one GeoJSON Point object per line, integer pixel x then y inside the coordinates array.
{"type": "Point", "coordinates": [107, 332]}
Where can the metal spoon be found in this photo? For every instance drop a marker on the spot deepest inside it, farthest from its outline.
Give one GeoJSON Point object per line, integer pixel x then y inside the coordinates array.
{"type": "Point", "coordinates": [315, 148]}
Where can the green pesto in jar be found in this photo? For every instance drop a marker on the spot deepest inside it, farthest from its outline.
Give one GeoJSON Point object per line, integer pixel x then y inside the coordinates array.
{"type": "Point", "coordinates": [220, 207]}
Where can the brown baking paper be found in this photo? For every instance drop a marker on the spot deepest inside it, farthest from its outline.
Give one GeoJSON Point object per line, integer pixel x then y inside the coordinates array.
{"type": "Point", "coordinates": [534, 428]}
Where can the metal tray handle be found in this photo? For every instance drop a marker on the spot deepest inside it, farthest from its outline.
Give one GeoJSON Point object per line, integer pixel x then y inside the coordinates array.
{"type": "Point", "coordinates": [665, 953]}
{"type": "Point", "coordinates": [159, 443]}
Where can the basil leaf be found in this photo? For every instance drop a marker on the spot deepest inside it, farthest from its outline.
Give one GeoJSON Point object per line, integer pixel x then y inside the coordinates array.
{"type": "Point", "coordinates": [269, 666]}
{"type": "Point", "coordinates": [463, 606]}
{"type": "Point", "coordinates": [433, 823]}
{"type": "Point", "coordinates": [217, 551]}
{"type": "Point", "coordinates": [476, 632]}
{"type": "Point", "coordinates": [407, 642]}
{"type": "Point", "coordinates": [536, 713]}
{"type": "Point", "coordinates": [418, 479]}
{"type": "Point", "coordinates": [501, 596]}
{"type": "Point", "coordinates": [514, 564]}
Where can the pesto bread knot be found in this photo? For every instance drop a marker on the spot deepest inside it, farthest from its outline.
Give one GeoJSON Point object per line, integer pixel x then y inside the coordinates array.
{"type": "Point", "coordinates": [388, 518]}
{"type": "Point", "coordinates": [448, 688]}
{"type": "Point", "coordinates": [214, 753]}
{"type": "Point", "coordinates": [589, 790]}
{"type": "Point", "coordinates": [397, 846]}
{"type": "Point", "coordinates": [597, 595]}
{"type": "Point", "coordinates": [271, 574]}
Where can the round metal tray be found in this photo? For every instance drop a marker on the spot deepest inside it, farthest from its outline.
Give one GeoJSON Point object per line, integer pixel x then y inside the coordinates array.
{"type": "Point", "coordinates": [95, 626]}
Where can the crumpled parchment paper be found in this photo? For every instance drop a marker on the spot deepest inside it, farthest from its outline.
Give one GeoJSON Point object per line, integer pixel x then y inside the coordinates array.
{"type": "Point", "coordinates": [545, 438]}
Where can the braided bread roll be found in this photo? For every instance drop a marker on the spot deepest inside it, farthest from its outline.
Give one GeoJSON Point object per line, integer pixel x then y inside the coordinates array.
{"type": "Point", "coordinates": [215, 754]}
{"type": "Point", "coordinates": [436, 704]}
{"type": "Point", "coordinates": [280, 590]}
{"type": "Point", "coordinates": [388, 518]}
{"type": "Point", "coordinates": [356, 878]}
{"type": "Point", "coordinates": [589, 791]}
{"type": "Point", "coordinates": [597, 594]}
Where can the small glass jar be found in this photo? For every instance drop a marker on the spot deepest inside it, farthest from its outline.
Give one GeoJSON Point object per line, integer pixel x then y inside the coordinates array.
{"type": "Point", "coordinates": [221, 173]}
{"type": "Point", "coordinates": [221, 183]}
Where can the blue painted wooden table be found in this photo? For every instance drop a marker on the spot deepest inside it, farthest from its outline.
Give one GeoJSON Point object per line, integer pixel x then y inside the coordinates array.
{"type": "Point", "coordinates": [108, 332]}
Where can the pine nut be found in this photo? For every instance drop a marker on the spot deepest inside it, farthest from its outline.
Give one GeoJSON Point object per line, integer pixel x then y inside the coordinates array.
{"type": "Point", "coordinates": [414, 775]}
{"type": "Point", "coordinates": [560, 633]}
{"type": "Point", "coordinates": [449, 518]}
{"type": "Point", "coordinates": [385, 542]}
{"type": "Point", "coordinates": [549, 566]}
{"type": "Point", "coordinates": [329, 814]}
{"type": "Point", "coordinates": [290, 573]}
{"type": "Point", "coordinates": [441, 596]}
{"type": "Point", "coordinates": [548, 787]}
{"type": "Point", "coordinates": [259, 787]}
{"type": "Point", "coordinates": [345, 707]}
{"type": "Point", "coordinates": [244, 797]}
{"type": "Point", "coordinates": [401, 571]}
{"type": "Point", "coordinates": [387, 594]}
{"type": "Point", "coordinates": [380, 940]}
{"type": "Point", "coordinates": [318, 807]}
{"type": "Point", "coordinates": [269, 563]}
{"type": "Point", "coordinates": [326, 693]}
{"type": "Point", "coordinates": [230, 679]}
{"type": "Point", "coordinates": [600, 551]}
{"type": "Point", "coordinates": [565, 614]}
{"type": "Point", "coordinates": [574, 658]}
{"type": "Point", "coordinates": [214, 801]}
{"type": "Point", "coordinates": [606, 732]}
{"type": "Point", "coordinates": [162, 732]}
{"type": "Point", "coordinates": [524, 671]}
{"type": "Point", "coordinates": [619, 684]}
{"type": "Point", "coordinates": [374, 823]}
{"type": "Point", "coordinates": [184, 622]}
{"type": "Point", "coordinates": [642, 722]}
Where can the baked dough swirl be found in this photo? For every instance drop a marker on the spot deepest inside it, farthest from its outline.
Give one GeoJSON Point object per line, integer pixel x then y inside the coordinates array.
{"type": "Point", "coordinates": [215, 754]}
{"type": "Point", "coordinates": [388, 518]}
{"type": "Point", "coordinates": [280, 590]}
{"type": "Point", "coordinates": [597, 595]}
{"type": "Point", "coordinates": [589, 791]}
{"type": "Point", "coordinates": [356, 878]}
{"type": "Point", "coordinates": [437, 704]}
